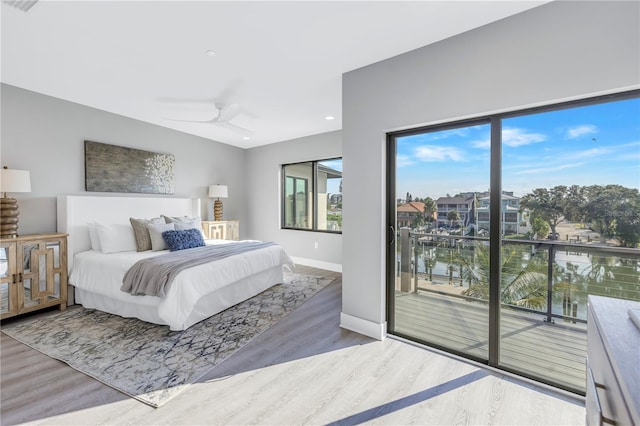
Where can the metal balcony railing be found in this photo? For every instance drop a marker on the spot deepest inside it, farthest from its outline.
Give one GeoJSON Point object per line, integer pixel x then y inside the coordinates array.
{"type": "Point", "coordinates": [573, 270]}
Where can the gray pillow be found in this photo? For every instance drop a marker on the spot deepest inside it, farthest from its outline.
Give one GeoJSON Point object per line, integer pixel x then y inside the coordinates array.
{"type": "Point", "coordinates": [185, 222]}
{"type": "Point", "coordinates": [141, 232]}
{"type": "Point", "coordinates": [155, 232]}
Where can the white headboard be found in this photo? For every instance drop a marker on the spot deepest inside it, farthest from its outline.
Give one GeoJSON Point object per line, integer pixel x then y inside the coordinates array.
{"type": "Point", "coordinates": [74, 211]}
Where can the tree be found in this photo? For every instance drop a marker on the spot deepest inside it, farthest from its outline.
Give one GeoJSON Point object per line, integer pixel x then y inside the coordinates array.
{"type": "Point", "coordinates": [524, 282]}
{"type": "Point", "coordinates": [452, 216]}
{"type": "Point", "coordinates": [539, 226]}
{"type": "Point", "coordinates": [430, 207]}
{"type": "Point", "coordinates": [547, 204]}
{"type": "Point", "coordinates": [627, 222]}
{"type": "Point", "coordinates": [609, 206]}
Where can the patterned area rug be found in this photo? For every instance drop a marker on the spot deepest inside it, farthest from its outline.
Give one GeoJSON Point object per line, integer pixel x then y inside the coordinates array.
{"type": "Point", "coordinates": [149, 362]}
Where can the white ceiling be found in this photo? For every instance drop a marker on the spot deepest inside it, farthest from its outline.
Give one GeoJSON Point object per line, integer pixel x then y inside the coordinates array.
{"type": "Point", "coordinates": [281, 62]}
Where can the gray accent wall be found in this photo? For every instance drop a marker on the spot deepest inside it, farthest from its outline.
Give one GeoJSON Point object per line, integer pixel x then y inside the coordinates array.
{"type": "Point", "coordinates": [45, 135]}
{"type": "Point", "coordinates": [263, 190]}
{"type": "Point", "coordinates": [558, 51]}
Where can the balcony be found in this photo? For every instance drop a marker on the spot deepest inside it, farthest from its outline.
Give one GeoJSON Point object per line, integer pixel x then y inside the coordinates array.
{"type": "Point", "coordinates": [440, 299]}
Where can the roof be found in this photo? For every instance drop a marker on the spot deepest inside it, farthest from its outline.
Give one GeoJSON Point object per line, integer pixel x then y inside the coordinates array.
{"type": "Point", "coordinates": [453, 200]}
{"type": "Point", "coordinates": [411, 207]}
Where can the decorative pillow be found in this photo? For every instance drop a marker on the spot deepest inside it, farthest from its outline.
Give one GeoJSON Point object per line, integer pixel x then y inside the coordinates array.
{"type": "Point", "coordinates": [93, 237]}
{"type": "Point", "coordinates": [141, 232]}
{"type": "Point", "coordinates": [185, 239]}
{"type": "Point", "coordinates": [115, 237]}
{"type": "Point", "coordinates": [155, 232]}
{"type": "Point", "coordinates": [185, 222]}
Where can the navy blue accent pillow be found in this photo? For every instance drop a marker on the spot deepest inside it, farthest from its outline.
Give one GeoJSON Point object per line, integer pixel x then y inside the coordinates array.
{"type": "Point", "coordinates": [183, 239]}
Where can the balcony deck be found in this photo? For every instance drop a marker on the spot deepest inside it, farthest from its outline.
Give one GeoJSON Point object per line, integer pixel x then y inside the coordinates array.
{"type": "Point", "coordinates": [555, 352]}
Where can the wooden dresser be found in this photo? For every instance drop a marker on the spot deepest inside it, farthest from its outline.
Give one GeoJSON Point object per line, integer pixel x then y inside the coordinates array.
{"type": "Point", "coordinates": [221, 230]}
{"type": "Point", "coordinates": [33, 273]}
{"type": "Point", "coordinates": [613, 363]}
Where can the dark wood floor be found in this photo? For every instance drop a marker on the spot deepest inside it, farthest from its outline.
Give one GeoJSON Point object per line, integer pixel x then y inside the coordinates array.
{"type": "Point", "coordinates": [555, 352]}
{"type": "Point", "coordinates": [303, 370]}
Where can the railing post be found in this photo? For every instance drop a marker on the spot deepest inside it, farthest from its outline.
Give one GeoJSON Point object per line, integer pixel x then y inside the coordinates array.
{"type": "Point", "coordinates": [415, 263]}
{"type": "Point", "coordinates": [550, 282]}
{"type": "Point", "coordinates": [405, 260]}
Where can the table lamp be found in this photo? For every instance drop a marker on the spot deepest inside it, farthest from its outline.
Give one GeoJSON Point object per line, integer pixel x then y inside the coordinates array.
{"type": "Point", "coordinates": [11, 181]}
{"type": "Point", "coordinates": [217, 192]}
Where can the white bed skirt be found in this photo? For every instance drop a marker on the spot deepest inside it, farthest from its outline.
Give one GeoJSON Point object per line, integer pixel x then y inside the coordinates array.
{"type": "Point", "coordinates": [208, 305]}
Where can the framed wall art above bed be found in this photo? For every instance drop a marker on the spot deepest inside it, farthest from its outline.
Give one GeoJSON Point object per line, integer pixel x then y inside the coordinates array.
{"type": "Point", "coordinates": [112, 168]}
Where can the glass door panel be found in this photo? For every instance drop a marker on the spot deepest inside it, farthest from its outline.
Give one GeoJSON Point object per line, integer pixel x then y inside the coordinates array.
{"type": "Point", "coordinates": [438, 270]}
{"type": "Point", "coordinates": [570, 179]}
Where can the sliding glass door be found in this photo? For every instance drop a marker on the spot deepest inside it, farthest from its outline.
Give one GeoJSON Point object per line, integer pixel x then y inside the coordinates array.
{"type": "Point", "coordinates": [499, 229]}
{"type": "Point", "coordinates": [439, 251]}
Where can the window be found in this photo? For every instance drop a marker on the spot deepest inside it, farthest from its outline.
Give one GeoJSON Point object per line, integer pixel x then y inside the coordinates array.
{"type": "Point", "coordinates": [312, 195]}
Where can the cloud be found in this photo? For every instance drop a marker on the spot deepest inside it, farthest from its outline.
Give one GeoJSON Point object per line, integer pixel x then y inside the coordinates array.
{"type": "Point", "coordinates": [481, 143]}
{"type": "Point", "coordinates": [590, 153]}
{"type": "Point", "coordinates": [514, 137]}
{"type": "Point", "coordinates": [403, 160]}
{"type": "Point", "coordinates": [549, 169]}
{"type": "Point", "coordinates": [576, 132]}
{"type": "Point", "coordinates": [431, 153]}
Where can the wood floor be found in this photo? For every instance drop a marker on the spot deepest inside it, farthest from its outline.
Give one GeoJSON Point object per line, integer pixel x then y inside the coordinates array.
{"type": "Point", "coordinates": [304, 370]}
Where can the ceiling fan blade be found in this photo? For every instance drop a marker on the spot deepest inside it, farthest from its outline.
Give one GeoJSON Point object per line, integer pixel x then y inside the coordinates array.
{"type": "Point", "coordinates": [236, 129]}
{"type": "Point", "coordinates": [211, 120]}
{"type": "Point", "coordinates": [227, 112]}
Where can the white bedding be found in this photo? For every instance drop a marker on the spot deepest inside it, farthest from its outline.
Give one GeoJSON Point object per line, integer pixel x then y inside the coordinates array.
{"type": "Point", "coordinates": [195, 294]}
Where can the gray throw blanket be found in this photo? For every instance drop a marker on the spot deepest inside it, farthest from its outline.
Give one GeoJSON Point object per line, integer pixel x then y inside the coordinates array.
{"type": "Point", "coordinates": [153, 275]}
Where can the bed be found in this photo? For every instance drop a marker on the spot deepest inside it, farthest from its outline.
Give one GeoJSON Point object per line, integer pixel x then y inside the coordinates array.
{"type": "Point", "coordinates": [196, 293]}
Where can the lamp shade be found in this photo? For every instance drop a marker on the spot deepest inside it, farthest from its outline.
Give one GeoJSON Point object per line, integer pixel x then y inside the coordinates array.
{"type": "Point", "coordinates": [218, 191]}
{"type": "Point", "coordinates": [15, 181]}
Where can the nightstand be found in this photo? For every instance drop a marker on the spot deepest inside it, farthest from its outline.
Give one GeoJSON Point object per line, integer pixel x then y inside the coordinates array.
{"type": "Point", "coordinates": [221, 230]}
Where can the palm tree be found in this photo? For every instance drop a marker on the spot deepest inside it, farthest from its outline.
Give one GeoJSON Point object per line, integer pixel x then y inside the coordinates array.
{"type": "Point", "coordinates": [524, 281]}
{"type": "Point", "coordinates": [452, 216]}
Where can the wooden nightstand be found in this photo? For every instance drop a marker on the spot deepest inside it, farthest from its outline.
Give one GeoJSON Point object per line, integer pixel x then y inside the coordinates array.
{"type": "Point", "coordinates": [221, 230]}
{"type": "Point", "coordinates": [33, 273]}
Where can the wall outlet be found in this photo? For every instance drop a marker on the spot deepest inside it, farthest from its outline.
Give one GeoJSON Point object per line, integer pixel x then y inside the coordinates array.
{"type": "Point", "coordinates": [315, 245]}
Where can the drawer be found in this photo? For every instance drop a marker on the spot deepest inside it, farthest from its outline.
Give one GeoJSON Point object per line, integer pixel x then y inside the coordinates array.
{"type": "Point", "coordinates": [605, 385]}
{"type": "Point", "coordinates": [592, 402]}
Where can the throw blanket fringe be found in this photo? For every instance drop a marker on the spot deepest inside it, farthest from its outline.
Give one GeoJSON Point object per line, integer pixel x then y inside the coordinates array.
{"type": "Point", "coordinates": [153, 275]}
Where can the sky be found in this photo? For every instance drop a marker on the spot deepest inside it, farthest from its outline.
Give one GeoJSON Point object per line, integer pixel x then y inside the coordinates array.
{"type": "Point", "coordinates": [591, 145]}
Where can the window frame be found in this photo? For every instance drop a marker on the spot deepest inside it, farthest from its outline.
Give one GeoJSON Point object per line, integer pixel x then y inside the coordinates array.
{"type": "Point", "coordinates": [314, 189]}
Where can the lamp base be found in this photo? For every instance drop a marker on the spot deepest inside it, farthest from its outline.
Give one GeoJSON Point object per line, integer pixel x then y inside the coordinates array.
{"type": "Point", "coordinates": [8, 217]}
{"type": "Point", "coordinates": [217, 210]}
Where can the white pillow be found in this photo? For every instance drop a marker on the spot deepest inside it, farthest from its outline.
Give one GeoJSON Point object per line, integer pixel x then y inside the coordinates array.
{"type": "Point", "coordinates": [115, 238]}
{"type": "Point", "coordinates": [155, 232]}
{"type": "Point", "coordinates": [93, 237]}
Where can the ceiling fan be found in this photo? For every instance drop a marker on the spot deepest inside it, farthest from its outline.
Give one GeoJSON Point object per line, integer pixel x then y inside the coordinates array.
{"type": "Point", "coordinates": [225, 113]}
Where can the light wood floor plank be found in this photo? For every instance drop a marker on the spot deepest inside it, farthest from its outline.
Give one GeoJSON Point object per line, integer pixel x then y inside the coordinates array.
{"type": "Point", "coordinates": [304, 370]}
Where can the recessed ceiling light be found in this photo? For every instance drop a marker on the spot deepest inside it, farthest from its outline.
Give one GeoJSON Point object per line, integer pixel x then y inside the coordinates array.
{"type": "Point", "coordinates": [329, 117]}
{"type": "Point", "coordinates": [211, 52]}
{"type": "Point", "coordinates": [246, 138]}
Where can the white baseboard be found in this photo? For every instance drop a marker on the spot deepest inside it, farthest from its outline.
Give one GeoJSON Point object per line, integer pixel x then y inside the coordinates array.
{"type": "Point", "coordinates": [362, 326]}
{"type": "Point", "coordinates": [335, 267]}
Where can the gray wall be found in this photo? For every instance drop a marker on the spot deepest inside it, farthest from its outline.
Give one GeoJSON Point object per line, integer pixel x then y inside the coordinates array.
{"type": "Point", "coordinates": [557, 51]}
{"type": "Point", "coordinates": [263, 165]}
{"type": "Point", "coordinates": [45, 135]}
